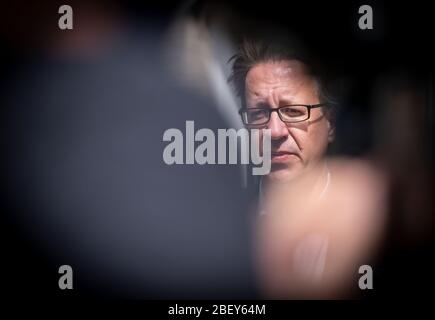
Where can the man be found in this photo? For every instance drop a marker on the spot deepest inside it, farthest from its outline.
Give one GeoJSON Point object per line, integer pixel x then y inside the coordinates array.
{"type": "Point", "coordinates": [320, 225]}
{"type": "Point", "coordinates": [280, 92]}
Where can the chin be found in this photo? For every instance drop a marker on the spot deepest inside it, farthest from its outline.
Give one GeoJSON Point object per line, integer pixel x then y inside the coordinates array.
{"type": "Point", "coordinates": [283, 173]}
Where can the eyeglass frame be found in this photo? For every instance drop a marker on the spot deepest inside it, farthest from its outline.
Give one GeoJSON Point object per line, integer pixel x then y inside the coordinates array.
{"type": "Point", "coordinates": [308, 106]}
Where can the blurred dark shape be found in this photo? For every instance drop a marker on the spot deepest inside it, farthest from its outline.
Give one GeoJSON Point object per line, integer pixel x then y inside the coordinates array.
{"type": "Point", "coordinates": [85, 182]}
{"type": "Point", "coordinates": [404, 117]}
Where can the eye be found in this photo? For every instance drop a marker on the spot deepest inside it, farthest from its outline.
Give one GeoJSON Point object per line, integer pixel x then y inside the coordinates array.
{"type": "Point", "coordinates": [254, 115]}
{"type": "Point", "coordinates": [294, 111]}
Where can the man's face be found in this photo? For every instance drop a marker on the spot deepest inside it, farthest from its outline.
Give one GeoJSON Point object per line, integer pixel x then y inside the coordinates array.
{"type": "Point", "coordinates": [294, 146]}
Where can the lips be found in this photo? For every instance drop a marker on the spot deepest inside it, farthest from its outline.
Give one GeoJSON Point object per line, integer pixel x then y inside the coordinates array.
{"type": "Point", "coordinates": [280, 153]}
{"type": "Point", "coordinates": [282, 156]}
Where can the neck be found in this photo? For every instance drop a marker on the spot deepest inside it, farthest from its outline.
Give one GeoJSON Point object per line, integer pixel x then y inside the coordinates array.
{"type": "Point", "coordinates": [312, 179]}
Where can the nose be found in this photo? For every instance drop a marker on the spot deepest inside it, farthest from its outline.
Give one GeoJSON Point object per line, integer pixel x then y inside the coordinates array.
{"type": "Point", "coordinates": [278, 129]}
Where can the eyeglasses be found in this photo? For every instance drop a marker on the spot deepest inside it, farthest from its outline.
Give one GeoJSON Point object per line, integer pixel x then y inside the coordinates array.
{"type": "Point", "coordinates": [288, 114]}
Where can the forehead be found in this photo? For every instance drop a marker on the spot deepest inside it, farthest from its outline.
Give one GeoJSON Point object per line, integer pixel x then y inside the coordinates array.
{"type": "Point", "coordinates": [287, 77]}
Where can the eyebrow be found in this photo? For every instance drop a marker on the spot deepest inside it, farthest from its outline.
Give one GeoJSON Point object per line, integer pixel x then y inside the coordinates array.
{"type": "Point", "coordinates": [260, 104]}
{"type": "Point", "coordinates": [265, 105]}
{"type": "Point", "coordinates": [284, 102]}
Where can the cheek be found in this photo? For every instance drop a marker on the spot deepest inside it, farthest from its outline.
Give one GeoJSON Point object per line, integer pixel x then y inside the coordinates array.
{"type": "Point", "coordinates": [298, 132]}
{"type": "Point", "coordinates": [317, 140]}
{"type": "Point", "coordinates": [311, 139]}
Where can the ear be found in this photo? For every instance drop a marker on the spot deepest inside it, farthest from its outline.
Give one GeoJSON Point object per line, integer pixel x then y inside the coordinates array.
{"type": "Point", "coordinates": [331, 131]}
{"type": "Point", "coordinates": [331, 125]}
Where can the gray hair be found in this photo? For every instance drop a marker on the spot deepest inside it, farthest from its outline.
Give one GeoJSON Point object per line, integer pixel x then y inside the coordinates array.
{"type": "Point", "coordinates": [252, 52]}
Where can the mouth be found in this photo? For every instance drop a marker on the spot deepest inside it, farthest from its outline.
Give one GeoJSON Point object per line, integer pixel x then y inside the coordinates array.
{"type": "Point", "coordinates": [282, 156]}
